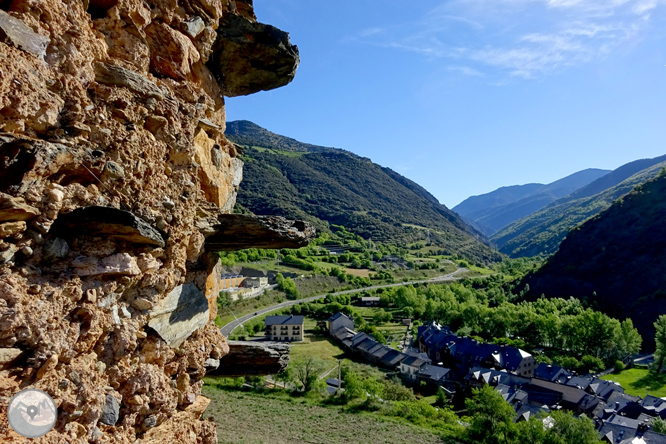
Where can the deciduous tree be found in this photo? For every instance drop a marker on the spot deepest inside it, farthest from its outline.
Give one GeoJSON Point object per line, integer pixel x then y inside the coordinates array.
{"type": "Point", "coordinates": [306, 372]}
{"type": "Point", "coordinates": [660, 339]}
{"type": "Point", "coordinates": [492, 417]}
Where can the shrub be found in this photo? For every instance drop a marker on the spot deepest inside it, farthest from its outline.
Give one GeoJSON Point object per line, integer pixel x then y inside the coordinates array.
{"type": "Point", "coordinates": [619, 366]}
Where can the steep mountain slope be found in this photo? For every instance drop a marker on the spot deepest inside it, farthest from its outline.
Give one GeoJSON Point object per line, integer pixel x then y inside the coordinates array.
{"type": "Point", "coordinates": [327, 185]}
{"type": "Point", "coordinates": [244, 132]}
{"type": "Point", "coordinates": [542, 231]}
{"type": "Point", "coordinates": [616, 260]}
{"type": "Point", "coordinates": [499, 208]}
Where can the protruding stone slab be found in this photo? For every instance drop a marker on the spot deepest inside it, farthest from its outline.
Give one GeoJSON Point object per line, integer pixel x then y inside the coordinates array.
{"type": "Point", "coordinates": [119, 76]}
{"type": "Point", "coordinates": [17, 33]}
{"type": "Point", "coordinates": [180, 314]}
{"type": "Point", "coordinates": [239, 231]}
{"type": "Point", "coordinates": [15, 209]}
{"type": "Point", "coordinates": [253, 358]}
{"type": "Point", "coordinates": [249, 57]}
{"type": "Point", "coordinates": [107, 221]}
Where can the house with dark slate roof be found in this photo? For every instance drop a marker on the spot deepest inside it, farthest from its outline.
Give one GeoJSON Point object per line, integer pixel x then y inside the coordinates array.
{"type": "Point", "coordinates": [369, 349]}
{"type": "Point", "coordinates": [480, 376]}
{"type": "Point", "coordinates": [433, 375]}
{"type": "Point", "coordinates": [621, 430]}
{"type": "Point", "coordinates": [338, 321]}
{"type": "Point", "coordinates": [654, 406]}
{"type": "Point", "coordinates": [461, 353]}
{"type": "Point", "coordinates": [410, 366]}
{"type": "Point", "coordinates": [552, 373]}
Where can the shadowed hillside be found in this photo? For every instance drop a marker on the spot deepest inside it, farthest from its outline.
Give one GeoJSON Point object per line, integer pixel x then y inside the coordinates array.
{"type": "Point", "coordinates": [616, 260]}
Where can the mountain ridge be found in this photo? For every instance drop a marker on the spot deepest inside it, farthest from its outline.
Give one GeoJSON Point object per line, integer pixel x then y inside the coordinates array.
{"type": "Point", "coordinates": [501, 207]}
{"type": "Point", "coordinates": [542, 231]}
{"type": "Point", "coordinates": [283, 176]}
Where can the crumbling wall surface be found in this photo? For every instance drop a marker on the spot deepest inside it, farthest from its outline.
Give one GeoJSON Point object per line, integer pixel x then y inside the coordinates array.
{"type": "Point", "coordinates": [111, 154]}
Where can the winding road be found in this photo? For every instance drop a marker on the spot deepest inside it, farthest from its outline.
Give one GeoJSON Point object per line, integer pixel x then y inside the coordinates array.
{"type": "Point", "coordinates": [231, 326]}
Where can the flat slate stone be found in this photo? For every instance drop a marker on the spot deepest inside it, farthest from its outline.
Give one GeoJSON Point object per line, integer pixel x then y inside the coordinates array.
{"type": "Point", "coordinates": [239, 231]}
{"type": "Point", "coordinates": [107, 221]}
{"type": "Point", "coordinates": [17, 33]}
{"type": "Point", "coordinates": [119, 76]}
{"type": "Point", "coordinates": [181, 313]}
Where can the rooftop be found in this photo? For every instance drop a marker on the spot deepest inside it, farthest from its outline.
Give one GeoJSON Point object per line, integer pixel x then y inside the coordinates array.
{"type": "Point", "coordinates": [284, 320]}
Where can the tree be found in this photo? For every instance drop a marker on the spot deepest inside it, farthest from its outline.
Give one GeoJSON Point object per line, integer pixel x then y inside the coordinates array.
{"type": "Point", "coordinates": [289, 287]}
{"type": "Point", "coordinates": [659, 426]}
{"type": "Point", "coordinates": [286, 377]}
{"type": "Point", "coordinates": [568, 429]}
{"type": "Point", "coordinates": [492, 417]}
{"type": "Point", "coordinates": [590, 364]}
{"type": "Point", "coordinates": [306, 372]}
{"type": "Point", "coordinates": [382, 316]}
{"type": "Point", "coordinates": [394, 390]}
{"type": "Point", "coordinates": [532, 431]}
{"type": "Point", "coordinates": [223, 300]}
{"type": "Point", "coordinates": [660, 339]}
{"type": "Point", "coordinates": [630, 340]}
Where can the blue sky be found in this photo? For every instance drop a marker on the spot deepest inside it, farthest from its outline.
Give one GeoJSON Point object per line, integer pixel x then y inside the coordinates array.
{"type": "Point", "coordinates": [465, 96]}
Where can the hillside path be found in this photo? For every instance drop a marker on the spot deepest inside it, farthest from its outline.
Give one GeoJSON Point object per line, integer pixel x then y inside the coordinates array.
{"type": "Point", "coordinates": [231, 326]}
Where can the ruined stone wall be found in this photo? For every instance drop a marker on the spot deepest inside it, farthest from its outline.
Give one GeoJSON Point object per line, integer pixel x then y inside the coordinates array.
{"type": "Point", "coordinates": [113, 172]}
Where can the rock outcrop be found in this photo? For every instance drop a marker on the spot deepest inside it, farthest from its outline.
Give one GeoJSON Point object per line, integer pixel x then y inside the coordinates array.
{"type": "Point", "coordinates": [115, 184]}
{"type": "Point", "coordinates": [252, 358]}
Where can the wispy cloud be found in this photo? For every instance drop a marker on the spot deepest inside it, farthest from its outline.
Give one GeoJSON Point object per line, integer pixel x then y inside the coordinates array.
{"type": "Point", "coordinates": [466, 70]}
{"type": "Point", "coordinates": [519, 38]}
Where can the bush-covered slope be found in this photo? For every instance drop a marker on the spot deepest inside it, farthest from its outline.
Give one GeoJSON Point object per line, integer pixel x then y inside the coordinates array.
{"type": "Point", "coordinates": [616, 260]}
{"type": "Point", "coordinates": [499, 208]}
{"type": "Point", "coordinates": [327, 185]}
{"type": "Point", "coordinates": [542, 231]}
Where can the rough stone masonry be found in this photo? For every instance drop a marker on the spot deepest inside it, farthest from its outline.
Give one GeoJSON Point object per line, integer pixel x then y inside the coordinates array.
{"type": "Point", "coordinates": [116, 184]}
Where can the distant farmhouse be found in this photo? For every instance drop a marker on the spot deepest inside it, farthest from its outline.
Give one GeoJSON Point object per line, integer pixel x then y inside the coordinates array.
{"type": "Point", "coordinates": [370, 301]}
{"type": "Point", "coordinates": [284, 328]}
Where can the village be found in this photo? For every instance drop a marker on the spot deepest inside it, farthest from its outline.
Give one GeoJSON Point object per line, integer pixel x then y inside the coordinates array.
{"type": "Point", "coordinates": [439, 360]}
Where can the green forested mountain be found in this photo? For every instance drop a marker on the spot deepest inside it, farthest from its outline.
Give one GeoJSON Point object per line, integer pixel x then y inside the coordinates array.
{"type": "Point", "coordinates": [616, 260]}
{"type": "Point", "coordinates": [542, 231]}
{"type": "Point", "coordinates": [331, 186]}
{"type": "Point", "coordinates": [493, 211]}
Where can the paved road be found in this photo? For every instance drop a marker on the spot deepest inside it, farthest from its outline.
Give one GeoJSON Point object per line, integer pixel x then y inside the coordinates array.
{"type": "Point", "coordinates": [230, 327]}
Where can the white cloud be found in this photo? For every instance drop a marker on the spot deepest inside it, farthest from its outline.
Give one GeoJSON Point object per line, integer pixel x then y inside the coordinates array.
{"type": "Point", "coordinates": [521, 38]}
{"type": "Point", "coordinates": [466, 70]}
{"type": "Point", "coordinates": [370, 31]}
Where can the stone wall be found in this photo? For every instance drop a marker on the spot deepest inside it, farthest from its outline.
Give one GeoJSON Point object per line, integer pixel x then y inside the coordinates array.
{"type": "Point", "coordinates": [114, 171]}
